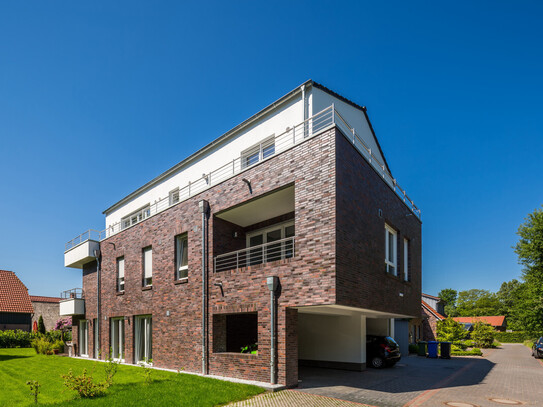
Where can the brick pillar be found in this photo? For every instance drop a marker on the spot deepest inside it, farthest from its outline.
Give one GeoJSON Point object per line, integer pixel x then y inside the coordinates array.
{"type": "Point", "coordinates": [287, 349]}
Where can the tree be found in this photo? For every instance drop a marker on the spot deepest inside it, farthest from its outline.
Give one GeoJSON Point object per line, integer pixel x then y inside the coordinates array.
{"type": "Point", "coordinates": [482, 334]}
{"type": "Point", "coordinates": [476, 303]}
{"type": "Point", "coordinates": [450, 331]}
{"type": "Point", "coordinates": [529, 249]}
{"type": "Point", "coordinates": [41, 325]}
{"type": "Point", "coordinates": [448, 296]}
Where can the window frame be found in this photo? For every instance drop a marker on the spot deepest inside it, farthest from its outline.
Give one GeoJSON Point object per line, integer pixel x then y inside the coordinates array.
{"type": "Point", "coordinates": [117, 331]}
{"type": "Point", "coordinates": [146, 281]}
{"type": "Point", "coordinates": [174, 196]}
{"type": "Point", "coordinates": [391, 263]}
{"type": "Point", "coordinates": [83, 332]}
{"type": "Point", "coordinates": [118, 278]}
{"type": "Point", "coordinates": [136, 217]}
{"type": "Point", "coordinates": [178, 268]}
{"type": "Point", "coordinates": [264, 232]}
{"type": "Point", "coordinates": [147, 341]}
{"type": "Point", "coordinates": [258, 152]}
{"type": "Point", "coordinates": [406, 264]}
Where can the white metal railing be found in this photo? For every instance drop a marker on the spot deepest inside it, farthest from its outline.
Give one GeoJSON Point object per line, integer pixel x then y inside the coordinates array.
{"type": "Point", "coordinates": [72, 293]}
{"type": "Point", "coordinates": [251, 256]}
{"type": "Point", "coordinates": [293, 136]}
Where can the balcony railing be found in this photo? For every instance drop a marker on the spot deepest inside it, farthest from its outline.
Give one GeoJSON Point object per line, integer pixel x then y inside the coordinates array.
{"type": "Point", "coordinates": [72, 293]}
{"type": "Point", "coordinates": [251, 256]}
{"type": "Point", "coordinates": [293, 136]}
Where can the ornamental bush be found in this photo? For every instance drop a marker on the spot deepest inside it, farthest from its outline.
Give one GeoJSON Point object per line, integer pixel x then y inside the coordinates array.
{"type": "Point", "coordinates": [483, 335]}
{"type": "Point", "coordinates": [16, 339]}
{"type": "Point", "coordinates": [448, 330]}
{"type": "Point", "coordinates": [516, 337]}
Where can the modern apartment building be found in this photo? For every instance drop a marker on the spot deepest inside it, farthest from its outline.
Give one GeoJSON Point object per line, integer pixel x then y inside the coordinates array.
{"type": "Point", "coordinates": [286, 238]}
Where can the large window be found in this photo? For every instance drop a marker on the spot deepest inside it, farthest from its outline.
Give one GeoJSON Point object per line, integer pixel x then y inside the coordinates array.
{"type": "Point", "coordinates": [120, 274]}
{"type": "Point", "coordinates": [265, 250]}
{"type": "Point", "coordinates": [143, 343]}
{"type": "Point", "coordinates": [406, 271]}
{"type": "Point", "coordinates": [136, 217]}
{"type": "Point", "coordinates": [181, 256]}
{"type": "Point", "coordinates": [148, 267]}
{"type": "Point", "coordinates": [117, 338]}
{"type": "Point", "coordinates": [391, 250]}
{"type": "Point", "coordinates": [84, 338]}
{"type": "Point", "coordinates": [259, 152]}
{"type": "Point", "coordinates": [235, 333]}
{"type": "Point", "coordinates": [95, 336]}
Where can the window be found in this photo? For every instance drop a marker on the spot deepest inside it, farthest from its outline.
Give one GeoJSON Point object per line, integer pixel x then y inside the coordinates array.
{"type": "Point", "coordinates": [84, 338]}
{"type": "Point", "coordinates": [174, 196]}
{"type": "Point", "coordinates": [143, 339]}
{"type": "Point", "coordinates": [117, 338]}
{"type": "Point", "coordinates": [265, 249]}
{"type": "Point", "coordinates": [259, 152]}
{"type": "Point", "coordinates": [235, 333]}
{"type": "Point", "coordinates": [181, 256]}
{"type": "Point", "coordinates": [120, 274]}
{"type": "Point", "coordinates": [136, 217]}
{"type": "Point", "coordinates": [406, 271]}
{"type": "Point", "coordinates": [95, 335]}
{"type": "Point", "coordinates": [391, 250]}
{"type": "Point", "coordinates": [147, 267]}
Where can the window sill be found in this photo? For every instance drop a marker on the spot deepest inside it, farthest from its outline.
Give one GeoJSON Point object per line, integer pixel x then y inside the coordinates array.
{"type": "Point", "coordinates": [147, 288]}
{"type": "Point", "coordinates": [181, 281]}
{"type": "Point", "coordinates": [119, 293]}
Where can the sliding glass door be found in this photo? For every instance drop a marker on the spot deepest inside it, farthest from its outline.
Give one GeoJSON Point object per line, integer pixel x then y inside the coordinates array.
{"type": "Point", "coordinates": [143, 343]}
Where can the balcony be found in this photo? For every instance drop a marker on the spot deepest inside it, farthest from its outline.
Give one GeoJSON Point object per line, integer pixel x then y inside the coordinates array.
{"type": "Point", "coordinates": [254, 255]}
{"type": "Point", "coordinates": [72, 302]}
{"type": "Point", "coordinates": [285, 140]}
{"type": "Point", "coordinates": [80, 251]}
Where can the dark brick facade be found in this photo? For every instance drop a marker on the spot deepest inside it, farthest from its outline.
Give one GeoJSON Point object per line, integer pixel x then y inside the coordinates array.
{"type": "Point", "coordinates": [339, 259]}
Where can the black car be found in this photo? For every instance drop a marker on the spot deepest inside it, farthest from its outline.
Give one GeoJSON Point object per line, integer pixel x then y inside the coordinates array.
{"type": "Point", "coordinates": [381, 351]}
{"type": "Point", "coordinates": [537, 349]}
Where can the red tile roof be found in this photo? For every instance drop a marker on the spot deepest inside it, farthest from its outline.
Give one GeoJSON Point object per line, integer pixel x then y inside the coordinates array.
{"type": "Point", "coordinates": [433, 311]}
{"type": "Point", "coordinates": [494, 321]}
{"type": "Point", "coordinates": [13, 294]}
{"type": "Point", "coordinates": [39, 298]}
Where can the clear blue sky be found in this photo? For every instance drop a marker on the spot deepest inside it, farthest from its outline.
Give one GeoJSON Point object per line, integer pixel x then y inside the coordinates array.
{"type": "Point", "coordinates": [97, 98]}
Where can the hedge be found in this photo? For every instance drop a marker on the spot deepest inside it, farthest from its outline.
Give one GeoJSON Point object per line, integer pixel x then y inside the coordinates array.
{"type": "Point", "coordinates": [516, 337]}
{"type": "Point", "coordinates": [16, 339]}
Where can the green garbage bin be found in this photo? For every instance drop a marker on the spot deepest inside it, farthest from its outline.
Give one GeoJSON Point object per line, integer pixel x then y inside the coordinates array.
{"type": "Point", "coordinates": [422, 348]}
{"type": "Point", "coordinates": [445, 350]}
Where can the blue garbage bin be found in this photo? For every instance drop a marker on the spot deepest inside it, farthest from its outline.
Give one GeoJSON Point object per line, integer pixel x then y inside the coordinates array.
{"type": "Point", "coordinates": [432, 349]}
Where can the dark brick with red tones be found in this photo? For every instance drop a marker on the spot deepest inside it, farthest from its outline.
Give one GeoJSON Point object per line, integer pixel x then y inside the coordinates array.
{"type": "Point", "coordinates": [339, 260]}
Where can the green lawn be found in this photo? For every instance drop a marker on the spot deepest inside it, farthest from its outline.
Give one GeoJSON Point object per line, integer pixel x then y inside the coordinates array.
{"type": "Point", "coordinates": [167, 389]}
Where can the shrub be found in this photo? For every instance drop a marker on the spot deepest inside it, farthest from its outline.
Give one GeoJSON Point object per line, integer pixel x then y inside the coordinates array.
{"type": "Point", "coordinates": [110, 367]}
{"type": "Point", "coordinates": [472, 352]}
{"type": "Point", "coordinates": [42, 346]}
{"type": "Point", "coordinates": [448, 330]}
{"type": "Point", "coordinates": [34, 389]}
{"type": "Point", "coordinates": [460, 345]}
{"type": "Point", "coordinates": [41, 325]}
{"type": "Point", "coordinates": [16, 339]}
{"type": "Point", "coordinates": [483, 335]}
{"type": "Point", "coordinates": [516, 337]}
{"type": "Point", "coordinates": [413, 348]}
{"type": "Point", "coordinates": [58, 346]}
{"type": "Point", "coordinates": [84, 384]}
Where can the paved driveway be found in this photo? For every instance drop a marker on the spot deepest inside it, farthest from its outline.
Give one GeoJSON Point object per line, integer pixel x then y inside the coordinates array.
{"type": "Point", "coordinates": [509, 373]}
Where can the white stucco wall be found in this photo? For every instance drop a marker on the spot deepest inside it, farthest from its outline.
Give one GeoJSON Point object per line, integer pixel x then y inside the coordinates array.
{"type": "Point", "coordinates": [332, 338]}
{"type": "Point", "coordinates": [355, 117]}
{"type": "Point", "coordinates": [276, 123]}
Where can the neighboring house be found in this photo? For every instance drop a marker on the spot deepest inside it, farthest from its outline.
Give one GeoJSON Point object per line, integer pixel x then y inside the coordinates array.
{"type": "Point", "coordinates": [434, 302]}
{"type": "Point", "coordinates": [15, 306]}
{"type": "Point", "coordinates": [48, 308]}
{"type": "Point", "coordinates": [498, 322]}
{"type": "Point", "coordinates": [430, 317]}
{"type": "Point", "coordinates": [288, 232]}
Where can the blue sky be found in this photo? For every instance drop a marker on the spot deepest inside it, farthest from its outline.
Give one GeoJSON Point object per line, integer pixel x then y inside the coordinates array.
{"type": "Point", "coordinates": [97, 98]}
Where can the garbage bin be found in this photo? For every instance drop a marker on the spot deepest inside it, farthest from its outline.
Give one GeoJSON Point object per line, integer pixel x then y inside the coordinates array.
{"type": "Point", "coordinates": [445, 350]}
{"type": "Point", "coordinates": [422, 348]}
{"type": "Point", "coordinates": [432, 349]}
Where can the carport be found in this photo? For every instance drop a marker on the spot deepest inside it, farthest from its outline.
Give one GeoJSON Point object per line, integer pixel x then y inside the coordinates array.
{"type": "Point", "coordinates": [334, 336]}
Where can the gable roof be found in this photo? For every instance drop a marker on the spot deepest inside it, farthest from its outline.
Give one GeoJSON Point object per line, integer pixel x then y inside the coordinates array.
{"type": "Point", "coordinates": [491, 320]}
{"type": "Point", "coordinates": [431, 296]}
{"type": "Point", "coordinates": [432, 311]}
{"type": "Point", "coordinates": [39, 298]}
{"type": "Point", "coordinates": [230, 133]}
{"type": "Point", "coordinates": [13, 294]}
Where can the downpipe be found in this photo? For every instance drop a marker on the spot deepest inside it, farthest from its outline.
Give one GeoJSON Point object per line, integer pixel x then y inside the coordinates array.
{"type": "Point", "coordinates": [98, 300]}
{"type": "Point", "coordinates": [203, 206]}
{"type": "Point", "coordinates": [272, 283]}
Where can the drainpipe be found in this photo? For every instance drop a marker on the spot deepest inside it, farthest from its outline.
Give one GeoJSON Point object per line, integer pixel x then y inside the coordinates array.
{"type": "Point", "coordinates": [203, 205]}
{"type": "Point", "coordinates": [97, 257]}
{"type": "Point", "coordinates": [272, 283]}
